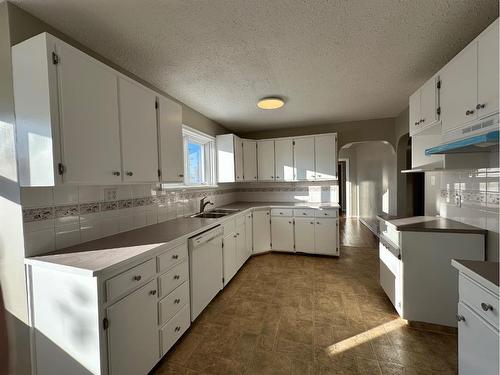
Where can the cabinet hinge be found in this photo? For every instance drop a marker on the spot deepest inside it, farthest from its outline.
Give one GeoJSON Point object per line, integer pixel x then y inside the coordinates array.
{"type": "Point", "coordinates": [293, 143]}
{"type": "Point", "coordinates": [61, 169]}
{"type": "Point", "coordinates": [159, 172]}
{"type": "Point", "coordinates": [105, 323]}
{"type": "Point", "coordinates": [270, 244]}
{"type": "Point", "coordinates": [156, 104]}
{"type": "Point", "coordinates": [438, 84]}
{"type": "Point", "coordinates": [223, 280]}
{"type": "Point", "coordinates": [438, 110]}
{"type": "Point", "coordinates": [55, 58]}
{"type": "Point", "coordinates": [223, 245]}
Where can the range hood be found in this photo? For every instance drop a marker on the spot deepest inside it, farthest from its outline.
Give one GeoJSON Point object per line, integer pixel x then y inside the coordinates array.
{"type": "Point", "coordinates": [473, 144]}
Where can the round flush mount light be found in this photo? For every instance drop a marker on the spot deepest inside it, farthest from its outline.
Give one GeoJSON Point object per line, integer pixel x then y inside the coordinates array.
{"type": "Point", "coordinates": [270, 103]}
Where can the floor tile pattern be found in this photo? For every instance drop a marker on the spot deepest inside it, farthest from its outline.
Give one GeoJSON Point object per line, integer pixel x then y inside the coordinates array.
{"type": "Point", "coordinates": [301, 315]}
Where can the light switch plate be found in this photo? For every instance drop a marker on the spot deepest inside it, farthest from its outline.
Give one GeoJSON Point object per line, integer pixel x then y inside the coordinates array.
{"type": "Point", "coordinates": [110, 194]}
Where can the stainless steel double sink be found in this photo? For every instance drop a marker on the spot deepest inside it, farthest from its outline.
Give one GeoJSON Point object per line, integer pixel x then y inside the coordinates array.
{"type": "Point", "coordinates": [216, 213]}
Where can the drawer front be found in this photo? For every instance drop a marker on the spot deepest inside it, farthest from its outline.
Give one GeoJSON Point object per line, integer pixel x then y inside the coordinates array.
{"type": "Point", "coordinates": [173, 330]}
{"type": "Point", "coordinates": [172, 257]}
{"type": "Point", "coordinates": [326, 213]}
{"type": "Point", "coordinates": [128, 280]}
{"type": "Point", "coordinates": [482, 302]}
{"type": "Point", "coordinates": [281, 212]}
{"type": "Point", "coordinates": [229, 227]}
{"type": "Point", "coordinates": [173, 278]}
{"type": "Point", "coordinates": [304, 212]}
{"type": "Point", "coordinates": [173, 302]}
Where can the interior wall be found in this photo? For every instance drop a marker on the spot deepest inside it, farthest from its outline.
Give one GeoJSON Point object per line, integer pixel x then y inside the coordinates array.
{"type": "Point", "coordinates": [24, 25]}
{"type": "Point", "coordinates": [401, 129]}
{"type": "Point", "coordinates": [348, 132]}
{"type": "Point", "coordinates": [12, 277]}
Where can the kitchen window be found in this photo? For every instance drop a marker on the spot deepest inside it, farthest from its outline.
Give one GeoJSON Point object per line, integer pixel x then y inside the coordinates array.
{"type": "Point", "coordinates": [199, 158]}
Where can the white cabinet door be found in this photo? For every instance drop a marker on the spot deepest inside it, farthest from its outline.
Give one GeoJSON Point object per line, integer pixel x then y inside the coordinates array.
{"type": "Point", "coordinates": [487, 80]}
{"type": "Point", "coordinates": [133, 341]}
{"type": "Point", "coordinates": [326, 239]}
{"type": "Point", "coordinates": [249, 160]}
{"type": "Point", "coordinates": [225, 158]}
{"type": "Point", "coordinates": [414, 112]}
{"type": "Point", "coordinates": [90, 131]}
{"type": "Point", "coordinates": [282, 233]}
{"type": "Point", "coordinates": [139, 136]}
{"type": "Point", "coordinates": [477, 344]}
{"type": "Point", "coordinates": [249, 234]}
{"type": "Point", "coordinates": [428, 103]}
{"type": "Point", "coordinates": [241, 245]}
{"type": "Point", "coordinates": [238, 158]}
{"type": "Point", "coordinates": [265, 160]}
{"type": "Point", "coordinates": [230, 257]}
{"type": "Point", "coordinates": [304, 234]}
{"type": "Point", "coordinates": [458, 93]}
{"type": "Point", "coordinates": [261, 231]}
{"type": "Point", "coordinates": [303, 156]}
{"type": "Point", "coordinates": [325, 151]}
{"type": "Point", "coordinates": [170, 140]}
{"type": "Point", "coordinates": [283, 151]}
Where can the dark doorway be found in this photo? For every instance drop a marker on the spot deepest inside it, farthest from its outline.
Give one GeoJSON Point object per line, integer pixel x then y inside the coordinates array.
{"type": "Point", "coordinates": [341, 173]}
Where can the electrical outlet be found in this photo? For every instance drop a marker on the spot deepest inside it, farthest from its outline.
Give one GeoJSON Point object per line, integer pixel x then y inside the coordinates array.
{"type": "Point", "coordinates": [458, 200]}
{"type": "Point", "coordinates": [110, 194]}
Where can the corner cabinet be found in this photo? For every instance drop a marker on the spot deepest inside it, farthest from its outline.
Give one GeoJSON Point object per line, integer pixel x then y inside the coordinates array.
{"type": "Point", "coordinates": [78, 121]}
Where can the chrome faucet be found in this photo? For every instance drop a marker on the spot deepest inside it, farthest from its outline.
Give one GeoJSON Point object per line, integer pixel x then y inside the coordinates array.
{"type": "Point", "coordinates": [204, 204]}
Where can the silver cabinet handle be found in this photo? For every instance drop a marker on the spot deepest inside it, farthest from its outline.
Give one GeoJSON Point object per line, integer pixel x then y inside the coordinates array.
{"type": "Point", "coordinates": [317, 222]}
{"type": "Point", "coordinates": [177, 329]}
{"type": "Point", "coordinates": [129, 173]}
{"type": "Point", "coordinates": [181, 175]}
{"type": "Point", "coordinates": [289, 222]}
{"type": "Point", "coordinates": [460, 318]}
{"type": "Point", "coordinates": [137, 278]}
{"type": "Point", "coordinates": [152, 292]}
{"type": "Point", "coordinates": [235, 236]}
{"type": "Point", "coordinates": [312, 222]}
{"type": "Point", "coordinates": [277, 176]}
{"type": "Point", "coordinates": [303, 213]}
{"type": "Point", "coordinates": [116, 173]}
{"type": "Point", "coordinates": [175, 256]}
{"type": "Point", "coordinates": [486, 306]}
{"type": "Point", "coordinates": [177, 300]}
{"type": "Point", "coordinates": [177, 277]}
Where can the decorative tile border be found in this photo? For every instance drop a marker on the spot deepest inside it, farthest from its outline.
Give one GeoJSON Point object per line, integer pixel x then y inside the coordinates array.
{"type": "Point", "coordinates": [37, 214]}
{"type": "Point", "coordinates": [472, 196]}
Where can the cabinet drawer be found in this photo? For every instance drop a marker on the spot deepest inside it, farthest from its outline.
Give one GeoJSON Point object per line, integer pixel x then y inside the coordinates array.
{"type": "Point", "coordinates": [173, 278]}
{"type": "Point", "coordinates": [128, 280]}
{"type": "Point", "coordinates": [172, 257]}
{"type": "Point", "coordinates": [173, 302]}
{"type": "Point", "coordinates": [173, 330]}
{"type": "Point", "coordinates": [281, 212]}
{"type": "Point", "coordinates": [229, 227]}
{"type": "Point", "coordinates": [304, 212]}
{"type": "Point", "coordinates": [326, 213]}
{"type": "Point", "coordinates": [484, 303]}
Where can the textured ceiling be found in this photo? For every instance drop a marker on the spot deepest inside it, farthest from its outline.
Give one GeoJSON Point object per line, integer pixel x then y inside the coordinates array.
{"type": "Point", "coordinates": [333, 61]}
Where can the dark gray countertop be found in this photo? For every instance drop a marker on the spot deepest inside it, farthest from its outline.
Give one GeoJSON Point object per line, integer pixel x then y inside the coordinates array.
{"type": "Point", "coordinates": [430, 224]}
{"type": "Point", "coordinates": [90, 258]}
{"type": "Point", "coordinates": [485, 273]}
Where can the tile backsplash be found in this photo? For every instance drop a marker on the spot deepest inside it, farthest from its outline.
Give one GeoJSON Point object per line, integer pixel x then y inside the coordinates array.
{"type": "Point", "coordinates": [468, 196]}
{"type": "Point", "coordinates": [62, 216]}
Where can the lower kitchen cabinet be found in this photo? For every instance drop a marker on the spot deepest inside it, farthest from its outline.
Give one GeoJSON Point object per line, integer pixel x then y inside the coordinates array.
{"type": "Point", "coordinates": [133, 333]}
{"type": "Point", "coordinates": [326, 236]}
{"type": "Point", "coordinates": [249, 234]}
{"type": "Point", "coordinates": [261, 224]}
{"type": "Point", "coordinates": [304, 234]}
{"type": "Point", "coordinates": [282, 233]}
{"type": "Point", "coordinates": [241, 244]}
{"type": "Point", "coordinates": [230, 257]}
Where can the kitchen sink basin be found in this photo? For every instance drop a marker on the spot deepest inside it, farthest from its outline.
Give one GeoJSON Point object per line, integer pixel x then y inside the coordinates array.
{"type": "Point", "coordinates": [215, 213]}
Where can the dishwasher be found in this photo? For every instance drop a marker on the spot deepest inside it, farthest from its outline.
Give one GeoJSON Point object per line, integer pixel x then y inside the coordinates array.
{"type": "Point", "coordinates": [205, 268]}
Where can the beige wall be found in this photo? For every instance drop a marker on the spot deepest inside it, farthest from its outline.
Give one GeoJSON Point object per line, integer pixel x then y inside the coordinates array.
{"type": "Point", "coordinates": [12, 278]}
{"type": "Point", "coordinates": [348, 132]}
{"type": "Point", "coordinates": [23, 26]}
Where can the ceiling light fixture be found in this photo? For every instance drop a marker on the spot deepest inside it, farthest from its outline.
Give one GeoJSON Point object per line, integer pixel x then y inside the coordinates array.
{"type": "Point", "coordinates": [270, 103]}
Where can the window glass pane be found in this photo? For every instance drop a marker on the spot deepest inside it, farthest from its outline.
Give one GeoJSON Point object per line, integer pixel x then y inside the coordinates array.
{"type": "Point", "coordinates": [195, 163]}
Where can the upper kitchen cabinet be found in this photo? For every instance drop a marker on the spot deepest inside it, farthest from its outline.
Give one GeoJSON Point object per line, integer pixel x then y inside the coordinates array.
{"type": "Point", "coordinates": [229, 158]}
{"type": "Point", "coordinates": [249, 160]}
{"type": "Point", "coordinates": [139, 138]}
{"type": "Point", "coordinates": [283, 154]}
{"type": "Point", "coordinates": [424, 110]}
{"type": "Point", "coordinates": [303, 158]}
{"type": "Point", "coordinates": [265, 160]}
{"type": "Point", "coordinates": [325, 154]}
{"type": "Point", "coordinates": [67, 117]}
{"type": "Point", "coordinates": [469, 88]}
{"type": "Point", "coordinates": [170, 143]}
